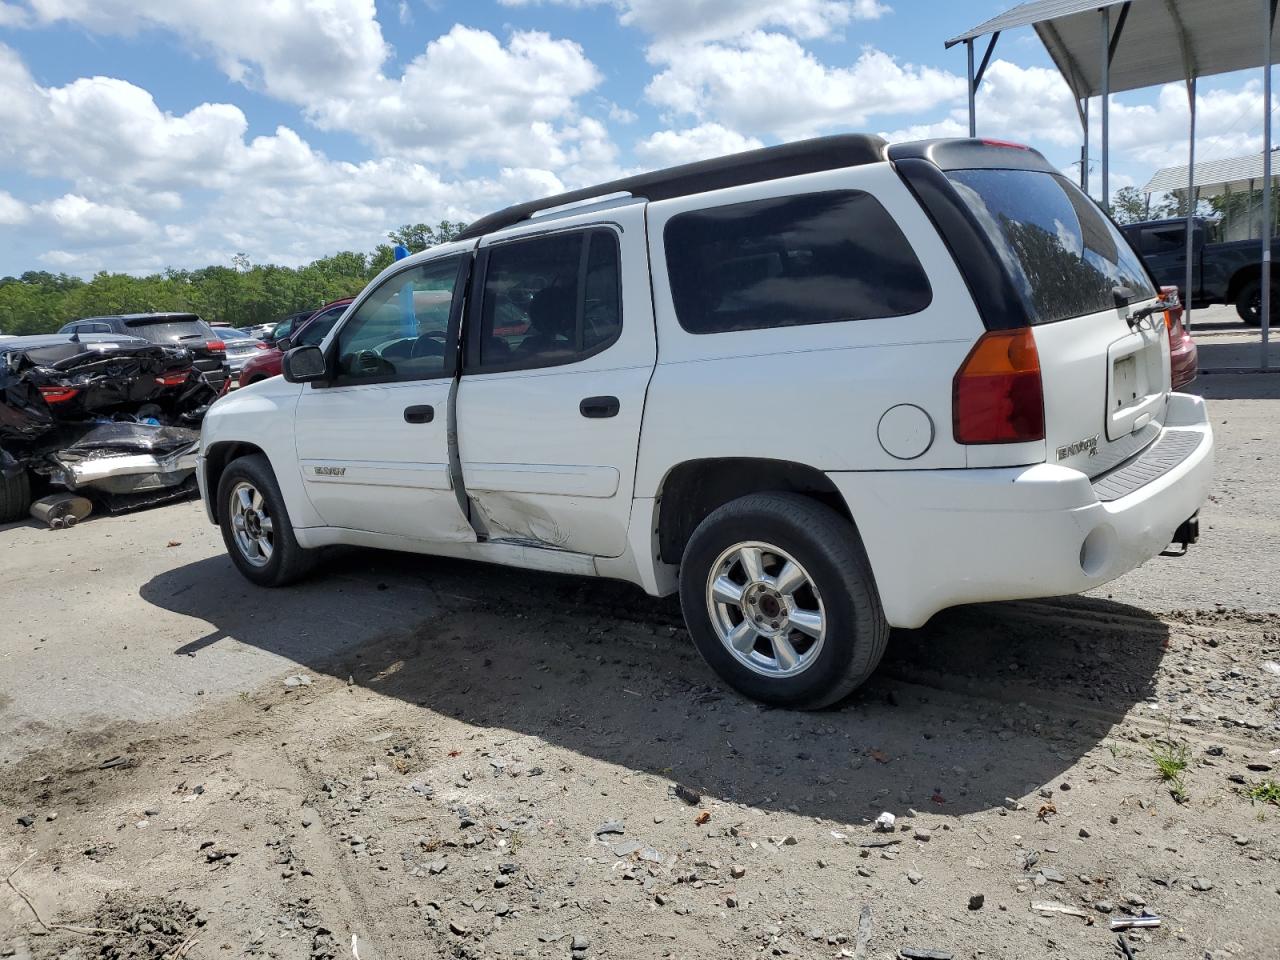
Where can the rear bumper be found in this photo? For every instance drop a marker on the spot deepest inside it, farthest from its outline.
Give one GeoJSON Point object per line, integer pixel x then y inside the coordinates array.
{"type": "Point", "coordinates": [938, 538]}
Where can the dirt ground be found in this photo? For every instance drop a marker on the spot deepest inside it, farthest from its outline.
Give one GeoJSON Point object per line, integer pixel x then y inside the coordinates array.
{"type": "Point", "coordinates": [411, 757]}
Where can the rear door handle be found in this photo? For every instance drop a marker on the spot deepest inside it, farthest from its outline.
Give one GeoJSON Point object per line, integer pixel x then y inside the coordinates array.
{"type": "Point", "coordinates": [422, 414]}
{"type": "Point", "coordinates": [598, 408]}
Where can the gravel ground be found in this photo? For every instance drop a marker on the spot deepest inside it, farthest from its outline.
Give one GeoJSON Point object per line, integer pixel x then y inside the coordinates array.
{"type": "Point", "coordinates": [416, 757]}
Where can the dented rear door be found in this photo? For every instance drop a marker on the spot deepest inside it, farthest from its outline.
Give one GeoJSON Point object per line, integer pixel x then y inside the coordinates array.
{"type": "Point", "coordinates": [560, 350]}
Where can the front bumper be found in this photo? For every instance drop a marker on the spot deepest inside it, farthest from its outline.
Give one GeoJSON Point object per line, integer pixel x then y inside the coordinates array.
{"type": "Point", "coordinates": [938, 538]}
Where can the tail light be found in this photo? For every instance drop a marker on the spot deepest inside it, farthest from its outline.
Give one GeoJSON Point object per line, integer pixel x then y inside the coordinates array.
{"type": "Point", "coordinates": [173, 379]}
{"type": "Point", "coordinates": [58, 394]}
{"type": "Point", "coordinates": [1172, 313]}
{"type": "Point", "coordinates": [217, 346]}
{"type": "Point", "coordinates": [997, 396]}
{"type": "Point", "coordinates": [263, 346]}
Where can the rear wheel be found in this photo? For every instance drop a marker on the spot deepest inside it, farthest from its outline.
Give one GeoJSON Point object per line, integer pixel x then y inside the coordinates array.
{"type": "Point", "coordinates": [255, 525]}
{"type": "Point", "coordinates": [780, 600]}
{"type": "Point", "coordinates": [15, 496]}
{"type": "Point", "coordinates": [1249, 302]}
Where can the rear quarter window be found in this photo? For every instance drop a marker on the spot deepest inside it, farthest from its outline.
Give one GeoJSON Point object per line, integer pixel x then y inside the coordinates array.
{"type": "Point", "coordinates": [790, 261]}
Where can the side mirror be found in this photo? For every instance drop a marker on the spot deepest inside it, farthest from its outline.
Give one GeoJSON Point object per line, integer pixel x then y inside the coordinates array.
{"type": "Point", "coordinates": [283, 344]}
{"type": "Point", "coordinates": [304, 364]}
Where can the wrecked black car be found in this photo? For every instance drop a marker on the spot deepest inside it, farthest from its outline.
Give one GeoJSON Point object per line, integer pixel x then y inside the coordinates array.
{"type": "Point", "coordinates": [105, 415]}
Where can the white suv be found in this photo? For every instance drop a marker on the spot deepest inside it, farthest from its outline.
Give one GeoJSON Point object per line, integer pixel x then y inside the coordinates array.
{"type": "Point", "coordinates": [821, 389]}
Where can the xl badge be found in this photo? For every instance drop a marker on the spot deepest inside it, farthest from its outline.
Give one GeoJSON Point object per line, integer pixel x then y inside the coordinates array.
{"type": "Point", "coordinates": [1079, 446]}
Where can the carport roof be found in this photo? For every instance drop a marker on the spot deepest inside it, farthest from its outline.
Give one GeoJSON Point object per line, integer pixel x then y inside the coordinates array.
{"type": "Point", "coordinates": [1162, 40]}
{"type": "Point", "coordinates": [1213, 177]}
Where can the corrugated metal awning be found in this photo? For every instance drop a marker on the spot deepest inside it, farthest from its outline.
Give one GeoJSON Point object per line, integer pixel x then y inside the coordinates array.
{"type": "Point", "coordinates": [1213, 177]}
{"type": "Point", "coordinates": [1162, 41]}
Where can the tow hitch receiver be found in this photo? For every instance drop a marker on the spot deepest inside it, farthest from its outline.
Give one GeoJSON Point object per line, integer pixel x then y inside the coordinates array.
{"type": "Point", "coordinates": [1188, 532]}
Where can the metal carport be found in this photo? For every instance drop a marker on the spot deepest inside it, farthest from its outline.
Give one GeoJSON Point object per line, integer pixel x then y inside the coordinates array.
{"type": "Point", "coordinates": [1108, 46]}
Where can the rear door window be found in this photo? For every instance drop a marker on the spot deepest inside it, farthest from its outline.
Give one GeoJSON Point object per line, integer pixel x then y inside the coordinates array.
{"type": "Point", "coordinates": [1064, 256]}
{"type": "Point", "coordinates": [1156, 240]}
{"type": "Point", "coordinates": [788, 261]}
{"type": "Point", "coordinates": [548, 300]}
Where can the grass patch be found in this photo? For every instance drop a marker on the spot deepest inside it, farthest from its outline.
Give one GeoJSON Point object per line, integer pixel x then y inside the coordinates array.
{"type": "Point", "coordinates": [1268, 791]}
{"type": "Point", "coordinates": [1171, 761]}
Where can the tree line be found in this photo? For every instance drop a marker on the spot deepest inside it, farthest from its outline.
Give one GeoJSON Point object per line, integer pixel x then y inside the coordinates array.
{"type": "Point", "coordinates": [243, 294]}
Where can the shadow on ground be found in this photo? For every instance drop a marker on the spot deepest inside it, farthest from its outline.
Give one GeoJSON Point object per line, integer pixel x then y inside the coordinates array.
{"type": "Point", "coordinates": [1238, 386]}
{"type": "Point", "coordinates": [984, 703]}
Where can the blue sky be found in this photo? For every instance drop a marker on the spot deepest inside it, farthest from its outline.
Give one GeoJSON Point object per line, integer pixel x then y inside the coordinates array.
{"type": "Point", "coordinates": [141, 134]}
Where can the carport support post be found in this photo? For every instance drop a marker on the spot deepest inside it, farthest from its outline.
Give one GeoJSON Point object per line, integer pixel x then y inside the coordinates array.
{"type": "Point", "coordinates": [1106, 108]}
{"type": "Point", "coordinates": [1187, 289]}
{"type": "Point", "coordinates": [1084, 148]}
{"type": "Point", "coordinates": [1269, 20]}
{"type": "Point", "coordinates": [973, 119]}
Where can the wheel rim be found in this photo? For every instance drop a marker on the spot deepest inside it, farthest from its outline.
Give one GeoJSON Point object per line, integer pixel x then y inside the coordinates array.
{"type": "Point", "coordinates": [766, 609]}
{"type": "Point", "coordinates": [251, 525]}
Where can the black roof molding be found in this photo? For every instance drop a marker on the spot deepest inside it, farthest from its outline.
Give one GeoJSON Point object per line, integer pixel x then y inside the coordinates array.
{"type": "Point", "coordinates": [754, 166]}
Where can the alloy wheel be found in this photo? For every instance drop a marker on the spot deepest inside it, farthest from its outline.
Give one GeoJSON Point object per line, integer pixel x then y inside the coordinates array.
{"type": "Point", "coordinates": [766, 609]}
{"type": "Point", "coordinates": [251, 525]}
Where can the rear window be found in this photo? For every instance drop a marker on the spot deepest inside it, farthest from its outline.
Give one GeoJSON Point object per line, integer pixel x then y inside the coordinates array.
{"type": "Point", "coordinates": [1065, 257]}
{"type": "Point", "coordinates": [168, 331]}
{"type": "Point", "coordinates": [789, 261]}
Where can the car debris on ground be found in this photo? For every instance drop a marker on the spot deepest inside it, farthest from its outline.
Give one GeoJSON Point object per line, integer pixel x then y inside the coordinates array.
{"type": "Point", "coordinates": [112, 419]}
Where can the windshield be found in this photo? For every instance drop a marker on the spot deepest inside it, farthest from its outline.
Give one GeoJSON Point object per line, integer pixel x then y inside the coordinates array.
{"type": "Point", "coordinates": [168, 331]}
{"type": "Point", "coordinates": [1064, 256]}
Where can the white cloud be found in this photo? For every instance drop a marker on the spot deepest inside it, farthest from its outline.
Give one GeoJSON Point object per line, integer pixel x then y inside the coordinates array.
{"type": "Point", "coordinates": [670, 147]}
{"type": "Point", "coordinates": [11, 15]}
{"type": "Point", "coordinates": [153, 189]}
{"type": "Point", "coordinates": [12, 210]}
{"type": "Point", "coordinates": [768, 83]}
{"type": "Point", "coordinates": [1033, 105]}
{"type": "Point", "coordinates": [698, 20]}
{"type": "Point", "coordinates": [296, 51]}
{"type": "Point", "coordinates": [469, 97]}
{"type": "Point", "coordinates": [79, 219]}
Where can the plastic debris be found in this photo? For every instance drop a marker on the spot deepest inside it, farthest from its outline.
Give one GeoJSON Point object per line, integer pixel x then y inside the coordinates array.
{"type": "Point", "coordinates": [885, 822]}
{"type": "Point", "coordinates": [1146, 920]}
{"type": "Point", "coordinates": [1052, 906]}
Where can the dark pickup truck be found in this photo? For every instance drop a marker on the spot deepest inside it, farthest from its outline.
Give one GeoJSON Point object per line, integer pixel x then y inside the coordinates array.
{"type": "Point", "coordinates": [1221, 272]}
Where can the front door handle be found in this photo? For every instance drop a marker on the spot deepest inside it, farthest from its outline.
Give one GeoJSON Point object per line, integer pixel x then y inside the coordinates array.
{"type": "Point", "coordinates": [422, 414]}
{"type": "Point", "coordinates": [598, 408]}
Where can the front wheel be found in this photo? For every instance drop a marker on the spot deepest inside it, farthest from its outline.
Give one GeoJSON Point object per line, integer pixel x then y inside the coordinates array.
{"type": "Point", "coordinates": [780, 600]}
{"type": "Point", "coordinates": [1249, 302]}
{"type": "Point", "coordinates": [255, 525]}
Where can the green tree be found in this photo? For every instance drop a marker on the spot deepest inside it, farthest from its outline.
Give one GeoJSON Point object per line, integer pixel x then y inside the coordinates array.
{"type": "Point", "coordinates": [244, 293]}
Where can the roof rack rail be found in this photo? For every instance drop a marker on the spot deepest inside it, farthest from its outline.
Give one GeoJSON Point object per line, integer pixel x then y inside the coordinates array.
{"type": "Point", "coordinates": [754, 166]}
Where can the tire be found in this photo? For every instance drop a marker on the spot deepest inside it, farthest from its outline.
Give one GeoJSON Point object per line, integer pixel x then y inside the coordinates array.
{"type": "Point", "coordinates": [259, 535]}
{"type": "Point", "coordinates": [814, 667]}
{"type": "Point", "coordinates": [15, 496]}
{"type": "Point", "coordinates": [1249, 302]}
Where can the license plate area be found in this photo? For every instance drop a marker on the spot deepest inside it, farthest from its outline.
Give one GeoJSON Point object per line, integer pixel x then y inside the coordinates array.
{"type": "Point", "coordinates": [1135, 386]}
{"type": "Point", "coordinates": [1124, 382]}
